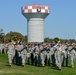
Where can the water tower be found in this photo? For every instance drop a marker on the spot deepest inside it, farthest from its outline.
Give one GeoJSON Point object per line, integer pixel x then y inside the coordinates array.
{"type": "Point", "coordinates": [35, 15]}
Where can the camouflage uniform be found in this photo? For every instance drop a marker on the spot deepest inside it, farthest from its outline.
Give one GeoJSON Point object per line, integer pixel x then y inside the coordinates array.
{"type": "Point", "coordinates": [1, 48]}
{"type": "Point", "coordinates": [11, 53]}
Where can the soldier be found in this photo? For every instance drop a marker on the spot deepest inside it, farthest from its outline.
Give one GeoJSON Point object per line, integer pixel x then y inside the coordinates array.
{"type": "Point", "coordinates": [29, 54]}
{"type": "Point", "coordinates": [48, 56]}
{"type": "Point", "coordinates": [1, 47]}
{"type": "Point", "coordinates": [72, 54]}
{"type": "Point", "coordinates": [52, 52]}
{"type": "Point", "coordinates": [63, 54]}
{"type": "Point", "coordinates": [5, 48]}
{"type": "Point", "coordinates": [36, 50]}
{"type": "Point", "coordinates": [69, 47]}
{"type": "Point", "coordinates": [11, 53]}
{"type": "Point", "coordinates": [53, 48]}
{"type": "Point", "coordinates": [43, 55]}
{"type": "Point", "coordinates": [23, 56]}
{"type": "Point", "coordinates": [20, 56]}
{"type": "Point", "coordinates": [18, 48]}
{"type": "Point", "coordinates": [32, 54]}
{"type": "Point", "coordinates": [66, 55]}
{"type": "Point", "coordinates": [39, 53]}
{"type": "Point", "coordinates": [16, 53]}
{"type": "Point", "coordinates": [58, 56]}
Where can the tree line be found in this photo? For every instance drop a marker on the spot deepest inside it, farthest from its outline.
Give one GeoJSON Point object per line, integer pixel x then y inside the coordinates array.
{"type": "Point", "coordinates": [18, 36]}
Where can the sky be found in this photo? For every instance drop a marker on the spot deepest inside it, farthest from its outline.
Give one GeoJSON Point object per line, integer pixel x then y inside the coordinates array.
{"type": "Point", "coordinates": [61, 22]}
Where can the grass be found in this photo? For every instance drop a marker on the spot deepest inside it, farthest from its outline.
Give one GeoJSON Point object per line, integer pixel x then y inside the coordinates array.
{"type": "Point", "coordinates": [32, 70]}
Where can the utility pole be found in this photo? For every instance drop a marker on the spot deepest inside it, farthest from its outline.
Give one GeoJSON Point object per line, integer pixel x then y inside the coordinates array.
{"type": "Point", "coordinates": [68, 37]}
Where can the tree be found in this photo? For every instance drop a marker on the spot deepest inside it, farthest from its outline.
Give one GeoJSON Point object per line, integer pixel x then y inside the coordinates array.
{"type": "Point", "coordinates": [72, 41]}
{"type": "Point", "coordinates": [63, 40]}
{"type": "Point", "coordinates": [25, 38]}
{"type": "Point", "coordinates": [48, 40]}
{"type": "Point", "coordinates": [1, 35]}
{"type": "Point", "coordinates": [16, 36]}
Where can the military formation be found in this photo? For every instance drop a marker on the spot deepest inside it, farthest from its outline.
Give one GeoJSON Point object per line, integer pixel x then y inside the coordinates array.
{"type": "Point", "coordinates": [40, 54]}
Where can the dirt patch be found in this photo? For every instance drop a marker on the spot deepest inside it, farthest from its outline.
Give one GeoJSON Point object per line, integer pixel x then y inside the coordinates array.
{"type": "Point", "coordinates": [12, 71]}
{"type": "Point", "coordinates": [1, 71]}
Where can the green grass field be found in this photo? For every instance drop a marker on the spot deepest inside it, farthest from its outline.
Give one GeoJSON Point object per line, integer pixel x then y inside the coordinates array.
{"type": "Point", "coordinates": [32, 70]}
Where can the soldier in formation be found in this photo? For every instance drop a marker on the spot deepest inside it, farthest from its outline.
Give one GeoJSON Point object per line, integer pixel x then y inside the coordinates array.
{"type": "Point", "coordinates": [40, 54]}
{"type": "Point", "coordinates": [1, 48]}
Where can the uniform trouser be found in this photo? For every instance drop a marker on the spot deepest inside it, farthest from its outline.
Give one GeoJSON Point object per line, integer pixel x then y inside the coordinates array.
{"type": "Point", "coordinates": [13, 60]}
{"type": "Point", "coordinates": [23, 61]}
{"type": "Point", "coordinates": [48, 61]}
{"type": "Point", "coordinates": [4, 51]}
{"type": "Point", "coordinates": [10, 58]}
{"type": "Point", "coordinates": [32, 59]}
{"type": "Point", "coordinates": [29, 60]}
{"type": "Point", "coordinates": [45, 59]}
{"type": "Point", "coordinates": [19, 60]}
{"type": "Point", "coordinates": [39, 60]}
{"type": "Point", "coordinates": [36, 61]}
{"type": "Point", "coordinates": [1, 51]}
{"type": "Point", "coordinates": [42, 61]}
{"type": "Point", "coordinates": [58, 61]}
{"type": "Point", "coordinates": [62, 59]}
{"type": "Point", "coordinates": [66, 61]}
{"type": "Point", "coordinates": [53, 60]}
{"type": "Point", "coordinates": [16, 59]}
{"type": "Point", "coordinates": [72, 60]}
